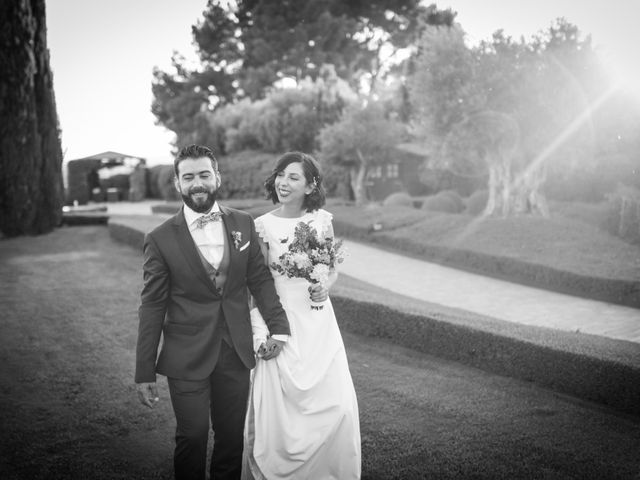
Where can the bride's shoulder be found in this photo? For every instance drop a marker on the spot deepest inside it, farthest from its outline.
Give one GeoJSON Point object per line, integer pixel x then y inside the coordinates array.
{"type": "Point", "coordinates": [323, 215]}
{"type": "Point", "coordinates": [265, 216]}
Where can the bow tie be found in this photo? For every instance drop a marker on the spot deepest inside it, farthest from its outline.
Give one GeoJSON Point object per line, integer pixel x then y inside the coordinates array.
{"type": "Point", "coordinates": [210, 217]}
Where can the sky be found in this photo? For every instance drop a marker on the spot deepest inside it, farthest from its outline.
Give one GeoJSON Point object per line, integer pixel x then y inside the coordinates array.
{"type": "Point", "coordinates": [103, 54]}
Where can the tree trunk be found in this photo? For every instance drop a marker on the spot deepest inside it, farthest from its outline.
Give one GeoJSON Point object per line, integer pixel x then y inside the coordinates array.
{"type": "Point", "coordinates": [531, 200]}
{"type": "Point", "coordinates": [30, 151]}
{"type": "Point", "coordinates": [499, 202]}
{"type": "Point", "coordinates": [509, 196]}
{"type": "Point", "coordinates": [358, 174]}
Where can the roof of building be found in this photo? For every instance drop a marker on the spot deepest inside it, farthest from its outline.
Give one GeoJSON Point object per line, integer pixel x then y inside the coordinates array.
{"type": "Point", "coordinates": [109, 156]}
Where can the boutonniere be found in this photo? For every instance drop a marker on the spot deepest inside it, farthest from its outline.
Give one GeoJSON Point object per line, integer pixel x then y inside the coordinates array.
{"type": "Point", "coordinates": [237, 238]}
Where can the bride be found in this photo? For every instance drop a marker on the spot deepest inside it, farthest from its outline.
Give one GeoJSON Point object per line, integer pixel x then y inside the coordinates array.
{"type": "Point", "coordinates": [302, 420]}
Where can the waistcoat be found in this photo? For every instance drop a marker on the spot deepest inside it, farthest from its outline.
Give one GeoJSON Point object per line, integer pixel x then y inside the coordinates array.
{"type": "Point", "coordinates": [219, 278]}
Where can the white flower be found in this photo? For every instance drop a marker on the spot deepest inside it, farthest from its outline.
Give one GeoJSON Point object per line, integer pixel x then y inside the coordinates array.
{"type": "Point", "coordinates": [301, 260]}
{"type": "Point", "coordinates": [320, 273]}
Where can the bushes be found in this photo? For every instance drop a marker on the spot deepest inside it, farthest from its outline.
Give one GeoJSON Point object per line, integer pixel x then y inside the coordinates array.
{"type": "Point", "coordinates": [398, 199]}
{"type": "Point", "coordinates": [477, 202]}
{"type": "Point", "coordinates": [446, 201]}
{"type": "Point", "coordinates": [244, 173]}
{"type": "Point", "coordinates": [623, 219]}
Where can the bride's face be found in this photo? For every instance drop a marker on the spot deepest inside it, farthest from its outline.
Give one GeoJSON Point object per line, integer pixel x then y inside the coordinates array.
{"type": "Point", "coordinates": [291, 185]}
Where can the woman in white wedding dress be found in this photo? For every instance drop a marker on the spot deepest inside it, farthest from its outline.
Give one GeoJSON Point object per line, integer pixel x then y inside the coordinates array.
{"type": "Point", "coordinates": [302, 420]}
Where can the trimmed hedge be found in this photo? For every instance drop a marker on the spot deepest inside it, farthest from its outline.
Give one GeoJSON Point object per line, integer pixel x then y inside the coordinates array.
{"type": "Point", "coordinates": [571, 363]}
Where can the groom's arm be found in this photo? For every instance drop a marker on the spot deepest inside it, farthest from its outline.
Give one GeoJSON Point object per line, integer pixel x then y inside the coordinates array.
{"type": "Point", "coordinates": [152, 310]}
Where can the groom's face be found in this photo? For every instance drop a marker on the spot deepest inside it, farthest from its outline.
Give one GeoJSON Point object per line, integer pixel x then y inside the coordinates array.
{"type": "Point", "coordinates": [198, 183]}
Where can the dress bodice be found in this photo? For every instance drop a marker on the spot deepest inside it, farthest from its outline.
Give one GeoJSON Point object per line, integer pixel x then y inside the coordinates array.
{"type": "Point", "coordinates": [278, 232]}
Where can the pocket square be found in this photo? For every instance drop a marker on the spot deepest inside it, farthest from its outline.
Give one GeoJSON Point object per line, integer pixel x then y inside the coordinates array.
{"type": "Point", "coordinates": [243, 247]}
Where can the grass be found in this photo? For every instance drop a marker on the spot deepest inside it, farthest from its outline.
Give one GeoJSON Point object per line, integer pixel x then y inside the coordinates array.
{"type": "Point", "coordinates": [69, 302]}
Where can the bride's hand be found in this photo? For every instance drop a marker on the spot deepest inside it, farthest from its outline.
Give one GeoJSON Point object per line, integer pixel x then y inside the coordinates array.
{"type": "Point", "coordinates": [318, 292]}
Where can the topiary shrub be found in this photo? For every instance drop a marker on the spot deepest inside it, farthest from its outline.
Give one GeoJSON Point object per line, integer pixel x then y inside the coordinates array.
{"type": "Point", "coordinates": [398, 199]}
{"type": "Point", "coordinates": [455, 198]}
{"type": "Point", "coordinates": [477, 202]}
{"type": "Point", "coordinates": [440, 203]}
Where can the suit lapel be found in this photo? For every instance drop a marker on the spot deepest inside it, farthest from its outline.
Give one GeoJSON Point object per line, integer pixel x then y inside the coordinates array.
{"type": "Point", "coordinates": [230, 226]}
{"type": "Point", "coordinates": [189, 248]}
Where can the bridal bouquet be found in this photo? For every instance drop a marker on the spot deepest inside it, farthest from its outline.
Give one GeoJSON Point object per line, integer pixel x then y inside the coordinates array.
{"type": "Point", "coordinates": [310, 257]}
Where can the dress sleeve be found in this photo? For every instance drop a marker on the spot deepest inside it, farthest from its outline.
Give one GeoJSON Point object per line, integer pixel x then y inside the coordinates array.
{"type": "Point", "coordinates": [260, 229]}
{"type": "Point", "coordinates": [324, 220]}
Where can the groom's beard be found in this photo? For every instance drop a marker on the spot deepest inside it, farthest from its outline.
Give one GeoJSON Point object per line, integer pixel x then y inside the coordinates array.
{"type": "Point", "coordinates": [199, 205]}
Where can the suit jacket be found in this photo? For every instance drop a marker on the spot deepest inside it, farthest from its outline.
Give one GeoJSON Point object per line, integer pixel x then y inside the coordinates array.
{"type": "Point", "coordinates": [180, 302]}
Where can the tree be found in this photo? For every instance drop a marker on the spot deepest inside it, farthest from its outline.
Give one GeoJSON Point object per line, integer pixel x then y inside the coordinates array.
{"type": "Point", "coordinates": [246, 46]}
{"type": "Point", "coordinates": [363, 137]}
{"type": "Point", "coordinates": [286, 119]}
{"type": "Point", "coordinates": [31, 156]}
{"type": "Point", "coordinates": [507, 109]}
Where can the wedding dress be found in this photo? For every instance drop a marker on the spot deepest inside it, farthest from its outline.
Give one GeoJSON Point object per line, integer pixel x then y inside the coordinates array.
{"type": "Point", "coordinates": [302, 420]}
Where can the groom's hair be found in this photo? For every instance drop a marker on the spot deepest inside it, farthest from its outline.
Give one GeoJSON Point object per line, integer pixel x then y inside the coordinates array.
{"type": "Point", "coordinates": [194, 151]}
{"type": "Point", "coordinates": [310, 167]}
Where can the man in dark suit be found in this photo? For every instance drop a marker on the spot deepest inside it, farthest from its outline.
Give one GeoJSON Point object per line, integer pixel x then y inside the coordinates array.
{"type": "Point", "coordinates": [197, 267]}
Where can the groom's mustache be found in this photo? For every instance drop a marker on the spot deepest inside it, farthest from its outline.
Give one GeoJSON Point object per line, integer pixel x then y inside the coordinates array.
{"type": "Point", "coordinates": [194, 190]}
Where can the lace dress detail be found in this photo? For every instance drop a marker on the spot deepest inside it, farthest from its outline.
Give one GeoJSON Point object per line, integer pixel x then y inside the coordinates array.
{"type": "Point", "coordinates": [302, 420]}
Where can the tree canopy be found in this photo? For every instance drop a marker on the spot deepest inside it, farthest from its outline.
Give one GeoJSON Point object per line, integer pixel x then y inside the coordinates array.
{"type": "Point", "coordinates": [507, 109]}
{"type": "Point", "coordinates": [247, 46]}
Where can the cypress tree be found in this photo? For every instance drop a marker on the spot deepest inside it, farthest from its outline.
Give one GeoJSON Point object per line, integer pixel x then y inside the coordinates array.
{"type": "Point", "coordinates": [31, 192]}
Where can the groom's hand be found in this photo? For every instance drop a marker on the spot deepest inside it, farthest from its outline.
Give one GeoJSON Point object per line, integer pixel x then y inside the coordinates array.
{"type": "Point", "coordinates": [147, 393]}
{"type": "Point", "coordinates": [273, 348]}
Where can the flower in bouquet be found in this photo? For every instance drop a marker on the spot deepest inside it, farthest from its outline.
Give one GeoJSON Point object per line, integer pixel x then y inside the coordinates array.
{"type": "Point", "coordinates": [309, 256]}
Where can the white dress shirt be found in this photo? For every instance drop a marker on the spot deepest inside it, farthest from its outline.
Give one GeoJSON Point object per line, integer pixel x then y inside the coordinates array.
{"type": "Point", "coordinates": [210, 238]}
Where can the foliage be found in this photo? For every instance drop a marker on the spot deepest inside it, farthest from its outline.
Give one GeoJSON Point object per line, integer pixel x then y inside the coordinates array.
{"type": "Point", "coordinates": [477, 202]}
{"type": "Point", "coordinates": [512, 110]}
{"type": "Point", "coordinates": [287, 119]}
{"type": "Point", "coordinates": [398, 199]}
{"type": "Point", "coordinates": [160, 183]}
{"type": "Point", "coordinates": [31, 190]}
{"type": "Point", "coordinates": [441, 202]}
{"type": "Point", "coordinates": [248, 46]}
{"type": "Point", "coordinates": [455, 198]}
{"type": "Point", "coordinates": [363, 136]}
{"type": "Point", "coordinates": [244, 173]}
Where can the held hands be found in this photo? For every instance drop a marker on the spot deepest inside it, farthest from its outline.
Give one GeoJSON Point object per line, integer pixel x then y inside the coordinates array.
{"type": "Point", "coordinates": [147, 393]}
{"type": "Point", "coordinates": [270, 349]}
{"type": "Point", "coordinates": [318, 292]}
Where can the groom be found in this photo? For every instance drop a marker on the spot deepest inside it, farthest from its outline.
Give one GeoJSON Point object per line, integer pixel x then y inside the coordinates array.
{"type": "Point", "coordinates": [197, 267]}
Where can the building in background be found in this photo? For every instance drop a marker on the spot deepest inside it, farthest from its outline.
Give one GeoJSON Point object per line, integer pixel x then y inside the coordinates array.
{"type": "Point", "coordinates": [105, 177]}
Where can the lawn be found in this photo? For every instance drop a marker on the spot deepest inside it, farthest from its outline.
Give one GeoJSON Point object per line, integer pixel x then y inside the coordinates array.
{"type": "Point", "coordinates": [69, 409]}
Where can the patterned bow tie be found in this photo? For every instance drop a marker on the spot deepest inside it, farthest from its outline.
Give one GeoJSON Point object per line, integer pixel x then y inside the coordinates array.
{"type": "Point", "coordinates": [210, 217]}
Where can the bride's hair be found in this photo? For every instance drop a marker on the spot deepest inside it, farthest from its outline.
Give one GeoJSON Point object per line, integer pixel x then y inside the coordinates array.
{"type": "Point", "coordinates": [312, 201]}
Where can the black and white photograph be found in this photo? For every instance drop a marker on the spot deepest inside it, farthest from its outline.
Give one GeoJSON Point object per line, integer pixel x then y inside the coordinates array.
{"type": "Point", "coordinates": [319, 240]}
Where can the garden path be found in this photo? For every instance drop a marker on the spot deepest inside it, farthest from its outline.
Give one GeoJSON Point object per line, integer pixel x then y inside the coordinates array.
{"type": "Point", "coordinates": [491, 297]}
